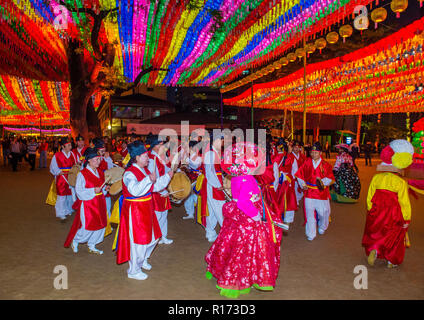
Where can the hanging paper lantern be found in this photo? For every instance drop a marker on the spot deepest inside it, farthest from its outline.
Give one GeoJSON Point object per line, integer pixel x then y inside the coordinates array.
{"type": "Point", "coordinates": [284, 61]}
{"type": "Point", "coordinates": [398, 6]}
{"type": "Point", "coordinates": [332, 37]}
{"type": "Point", "coordinates": [378, 15]}
{"type": "Point", "coordinates": [320, 44]}
{"type": "Point", "coordinates": [421, 3]}
{"type": "Point", "coordinates": [291, 56]}
{"type": "Point", "coordinates": [277, 65]}
{"type": "Point", "coordinates": [300, 52]}
{"type": "Point", "coordinates": [345, 31]}
{"type": "Point", "coordinates": [310, 48]}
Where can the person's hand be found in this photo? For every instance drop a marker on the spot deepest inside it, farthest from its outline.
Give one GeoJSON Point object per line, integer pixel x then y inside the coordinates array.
{"type": "Point", "coordinates": [305, 187]}
{"type": "Point", "coordinates": [107, 188]}
{"type": "Point", "coordinates": [97, 190]}
{"type": "Point", "coordinates": [62, 173]}
{"type": "Point", "coordinates": [220, 188]}
{"type": "Point", "coordinates": [153, 177]}
{"type": "Point", "coordinates": [406, 225]}
{"type": "Point", "coordinates": [107, 155]}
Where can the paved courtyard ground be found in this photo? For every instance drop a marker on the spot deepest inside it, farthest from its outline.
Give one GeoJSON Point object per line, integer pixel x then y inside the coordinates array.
{"type": "Point", "coordinates": [32, 245]}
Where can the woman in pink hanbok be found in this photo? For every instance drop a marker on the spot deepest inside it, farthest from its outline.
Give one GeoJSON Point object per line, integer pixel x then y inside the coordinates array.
{"type": "Point", "coordinates": [247, 251]}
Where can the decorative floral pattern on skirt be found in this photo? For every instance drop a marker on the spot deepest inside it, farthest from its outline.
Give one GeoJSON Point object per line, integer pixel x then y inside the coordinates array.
{"type": "Point", "coordinates": [244, 252]}
{"type": "Point", "coordinates": [347, 182]}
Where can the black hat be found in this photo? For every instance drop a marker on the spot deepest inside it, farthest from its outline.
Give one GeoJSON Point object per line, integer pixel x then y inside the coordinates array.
{"type": "Point", "coordinates": [297, 143]}
{"type": "Point", "coordinates": [64, 141]}
{"type": "Point", "coordinates": [136, 148]}
{"type": "Point", "coordinates": [90, 153]}
{"type": "Point", "coordinates": [98, 143]}
{"type": "Point", "coordinates": [191, 144]}
{"type": "Point", "coordinates": [316, 147]}
{"type": "Point", "coordinates": [152, 140]}
{"type": "Point", "coordinates": [79, 138]}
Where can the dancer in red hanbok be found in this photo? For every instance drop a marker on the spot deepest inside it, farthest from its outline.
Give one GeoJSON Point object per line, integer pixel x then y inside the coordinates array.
{"type": "Point", "coordinates": [315, 177]}
{"type": "Point", "coordinates": [139, 230]}
{"type": "Point", "coordinates": [91, 217]}
{"type": "Point", "coordinates": [389, 209]}
{"type": "Point", "coordinates": [247, 250]}
{"type": "Point", "coordinates": [286, 183]}
{"type": "Point", "coordinates": [60, 165]}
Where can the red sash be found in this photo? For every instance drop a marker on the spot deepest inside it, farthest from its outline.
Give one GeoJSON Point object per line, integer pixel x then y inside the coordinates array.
{"type": "Point", "coordinates": [218, 194]}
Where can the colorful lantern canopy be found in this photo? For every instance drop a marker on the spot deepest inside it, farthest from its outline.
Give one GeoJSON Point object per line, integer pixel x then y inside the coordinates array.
{"type": "Point", "coordinates": [291, 57]}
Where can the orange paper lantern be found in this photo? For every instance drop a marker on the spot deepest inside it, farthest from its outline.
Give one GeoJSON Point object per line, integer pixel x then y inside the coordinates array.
{"type": "Point", "coordinates": [398, 6]}
{"type": "Point", "coordinates": [345, 31]}
{"type": "Point", "coordinates": [378, 15]}
{"type": "Point", "coordinates": [332, 37]}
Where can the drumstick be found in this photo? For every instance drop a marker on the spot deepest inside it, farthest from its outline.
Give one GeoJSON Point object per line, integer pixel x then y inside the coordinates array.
{"type": "Point", "coordinates": [281, 225]}
{"type": "Point", "coordinates": [106, 181]}
{"type": "Point", "coordinates": [172, 192]}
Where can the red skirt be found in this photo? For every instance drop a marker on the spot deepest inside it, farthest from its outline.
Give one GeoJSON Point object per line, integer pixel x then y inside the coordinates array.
{"type": "Point", "coordinates": [384, 230]}
{"type": "Point", "coordinates": [244, 252]}
{"type": "Point", "coordinates": [287, 197]}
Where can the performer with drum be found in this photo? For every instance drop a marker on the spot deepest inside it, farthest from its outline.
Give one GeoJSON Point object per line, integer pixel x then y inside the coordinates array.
{"type": "Point", "coordinates": [139, 230]}
{"type": "Point", "coordinates": [90, 221]}
{"type": "Point", "coordinates": [161, 201]}
{"type": "Point", "coordinates": [211, 190]}
{"type": "Point", "coordinates": [106, 163]}
{"type": "Point", "coordinates": [60, 165]}
{"type": "Point", "coordinates": [194, 161]}
{"type": "Point", "coordinates": [297, 158]}
{"type": "Point", "coordinates": [315, 177]}
{"type": "Point", "coordinates": [78, 152]}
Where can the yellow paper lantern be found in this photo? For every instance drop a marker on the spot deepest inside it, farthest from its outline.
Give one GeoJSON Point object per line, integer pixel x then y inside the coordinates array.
{"type": "Point", "coordinates": [378, 15]}
{"type": "Point", "coordinates": [284, 61]}
{"type": "Point", "coordinates": [345, 31]}
{"type": "Point", "coordinates": [277, 65]}
{"type": "Point", "coordinates": [398, 6]}
{"type": "Point", "coordinates": [332, 37]}
{"type": "Point", "coordinates": [320, 44]}
{"type": "Point", "coordinates": [310, 48]}
{"type": "Point", "coordinates": [291, 56]}
{"type": "Point", "coordinates": [300, 52]}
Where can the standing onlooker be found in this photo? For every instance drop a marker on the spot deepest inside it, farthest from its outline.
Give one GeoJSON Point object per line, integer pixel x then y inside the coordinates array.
{"type": "Point", "coordinates": [368, 148]}
{"type": "Point", "coordinates": [354, 153]}
{"type": "Point", "coordinates": [15, 151]}
{"type": "Point", "coordinates": [42, 149]}
{"type": "Point", "coordinates": [6, 151]}
{"type": "Point", "coordinates": [55, 146]}
{"type": "Point", "coordinates": [327, 150]}
{"type": "Point", "coordinates": [32, 152]}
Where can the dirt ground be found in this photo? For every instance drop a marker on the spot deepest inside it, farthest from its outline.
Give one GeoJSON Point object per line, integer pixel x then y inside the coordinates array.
{"type": "Point", "coordinates": [32, 245]}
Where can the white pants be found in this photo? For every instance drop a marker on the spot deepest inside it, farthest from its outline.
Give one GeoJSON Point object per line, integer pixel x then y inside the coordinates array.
{"type": "Point", "coordinates": [215, 214]}
{"type": "Point", "coordinates": [108, 205]}
{"type": "Point", "coordinates": [322, 207]}
{"type": "Point", "coordinates": [163, 222]}
{"type": "Point", "coordinates": [91, 237]}
{"type": "Point", "coordinates": [139, 252]}
{"type": "Point", "coordinates": [299, 195]}
{"type": "Point", "coordinates": [74, 194]}
{"type": "Point", "coordinates": [63, 206]}
{"type": "Point", "coordinates": [190, 203]}
{"type": "Point", "coordinates": [289, 216]}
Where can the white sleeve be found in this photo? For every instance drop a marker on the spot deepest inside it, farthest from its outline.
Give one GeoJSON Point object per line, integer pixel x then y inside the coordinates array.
{"type": "Point", "coordinates": [277, 176]}
{"type": "Point", "coordinates": [135, 187]}
{"type": "Point", "coordinates": [301, 182]}
{"type": "Point", "coordinates": [109, 162]}
{"type": "Point", "coordinates": [54, 168]}
{"type": "Point", "coordinates": [210, 170]}
{"type": "Point", "coordinates": [195, 164]}
{"type": "Point", "coordinates": [83, 193]}
{"type": "Point", "coordinates": [295, 167]}
{"type": "Point", "coordinates": [151, 165]}
{"type": "Point", "coordinates": [326, 181]}
{"type": "Point", "coordinates": [161, 183]}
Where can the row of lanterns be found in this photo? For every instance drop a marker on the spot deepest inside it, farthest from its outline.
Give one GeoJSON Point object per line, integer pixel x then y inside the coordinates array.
{"type": "Point", "coordinates": [378, 15]}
